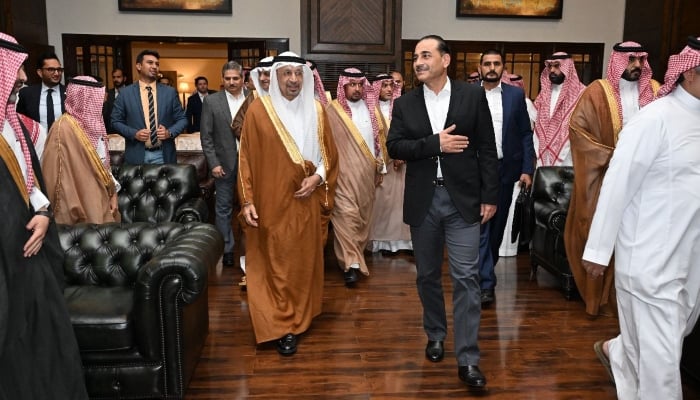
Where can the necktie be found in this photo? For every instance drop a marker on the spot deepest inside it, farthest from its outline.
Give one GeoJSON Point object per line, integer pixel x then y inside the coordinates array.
{"type": "Point", "coordinates": [50, 117]}
{"type": "Point", "coordinates": [152, 116]}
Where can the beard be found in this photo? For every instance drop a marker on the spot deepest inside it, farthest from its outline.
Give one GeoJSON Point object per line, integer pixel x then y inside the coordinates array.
{"type": "Point", "coordinates": [491, 77]}
{"type": "Point", "coordinates": [627, 75]}
{"type": "Point", "coordinates": [557, 79]}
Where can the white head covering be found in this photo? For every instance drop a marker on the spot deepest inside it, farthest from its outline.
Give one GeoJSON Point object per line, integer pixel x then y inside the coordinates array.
{"type": "Point", "coordinates": [298, 115]}
{"type": "Point", "coordinates": [264, 65]}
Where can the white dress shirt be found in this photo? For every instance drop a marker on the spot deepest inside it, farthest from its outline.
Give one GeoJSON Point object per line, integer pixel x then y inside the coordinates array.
{"type": "Point", "coordinates": [495, 100]}
{"type": "Point", "coordinates": [438, 105]}
{"type": "Point", "coordinates": [56, 96]}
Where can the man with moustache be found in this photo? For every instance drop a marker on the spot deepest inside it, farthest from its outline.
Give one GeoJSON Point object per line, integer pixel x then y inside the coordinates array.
{"type": "Point", "coordinates": [220, 149]}
{"type": "Point", "coordinates": [287, 172]}
{"type": "Point", "coordinates": [604, 107]}
{"type": "Point", "coordinates": [388, 232]}
{"type": "Point", "coordinates": [516, 156]}
{"type": "Point", "coordinates": [560, 90]}
{"type": "Point", "coordinates": [193, 113]}
{"type": "Point", "coordinates": [451, 189]}
{"type": "Point", "coordinates": [148, 115]}
{"type": "Point", "coordinates": [119, 81]}
{"type": "Point", "coordinates": [354, 121]}
{"type": "Point", "coordinates": [44, 102]}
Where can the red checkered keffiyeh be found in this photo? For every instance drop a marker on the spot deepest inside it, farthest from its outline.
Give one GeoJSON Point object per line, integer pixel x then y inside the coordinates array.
{"type": "Point", "coordinates": [377, 83]}
{"type": "Point", "coordinates": [553, 130]}
{"type": "Point", "coordinates": [515, 80]}
{"type": "Point", "coordinates": [12, 55]}
{"type": "Point", "coordinates": [84, 98]}
{"type": "Point", "coordinates": [619, 60]}
{"type": "Point", "coordinates": [351, 75]}
{"type": "Point", "coordinates": [687, 59]}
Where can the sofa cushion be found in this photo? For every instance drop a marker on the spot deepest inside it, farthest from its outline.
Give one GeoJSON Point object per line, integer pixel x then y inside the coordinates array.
{"type": "Point", "coordinates": [101, 316]}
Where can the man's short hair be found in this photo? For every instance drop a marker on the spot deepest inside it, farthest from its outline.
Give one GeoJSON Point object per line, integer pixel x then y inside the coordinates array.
{"type": "Point", "coordinates": [442, 46]}
{"type": "Point", "coordinates": [119, 69]}
{"type": "Point", "coordinates": [139, 58]}
{"type": "Point", "coordinates": [200, 78]}
{"type": "Point", "coordinates": [489, 52]}
{"type": "Point", "coordinates": [232, 65]}
{"type": "Point", "coordinates": [46, 56]}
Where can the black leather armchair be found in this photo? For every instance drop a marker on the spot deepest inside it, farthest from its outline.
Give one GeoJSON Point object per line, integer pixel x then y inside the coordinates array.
{"type": "Point", "coordinates": [194, 157]}
{"type": "Point", "coordinates": [138, 301]}
{"type": "Point", "coordinates": [157, 193]}
{"type": "Point", "coordinates": [551, 191]}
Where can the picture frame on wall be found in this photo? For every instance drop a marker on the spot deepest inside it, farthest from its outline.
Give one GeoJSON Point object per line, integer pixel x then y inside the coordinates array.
{"type": "Point", "coordinates": [551, 9]}
{"type": "Point", "coordinates": [184, 6]}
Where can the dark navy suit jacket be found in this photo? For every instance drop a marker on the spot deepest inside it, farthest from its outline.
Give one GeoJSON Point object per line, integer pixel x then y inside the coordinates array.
{"type": "Point", "coordinates": [128, 118]}
{"type": "Point", "coordinates": [518, 149]}
{"type": "Point", "coordinates": [29, 98]}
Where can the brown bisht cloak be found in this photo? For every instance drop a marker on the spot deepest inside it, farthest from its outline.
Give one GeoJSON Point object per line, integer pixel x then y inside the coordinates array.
{"type": "Point", "coordinates": [355, 194]}
{"type": "Point", "coordinates": [284, 254]}
{"type": "Point", "coordinates": [78, 184]}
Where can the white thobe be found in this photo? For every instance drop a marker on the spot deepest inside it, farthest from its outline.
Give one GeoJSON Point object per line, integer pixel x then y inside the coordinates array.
{"type": "Point", "coordinates": [649, 213]}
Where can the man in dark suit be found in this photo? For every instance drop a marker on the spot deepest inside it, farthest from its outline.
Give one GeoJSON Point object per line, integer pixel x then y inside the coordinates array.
{"type": "Point", "coordinates": [516, 155]}
{"type": "Point", "coordinates": [149, 127]}
{"type": "Point", "coordinates": [194, 103]}
{"type": "Point", "coordinates": [44, 102]}
{"type": "Point", "coordinates": [219, 147]}
{"type": "Point", "coordinates": [444, 132]}
{"type": "Point", "coordinates": [119, 80]}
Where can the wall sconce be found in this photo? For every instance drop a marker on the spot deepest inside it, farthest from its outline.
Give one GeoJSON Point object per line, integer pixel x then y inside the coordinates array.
{"type": "Point", "coordinates": [184, 88]}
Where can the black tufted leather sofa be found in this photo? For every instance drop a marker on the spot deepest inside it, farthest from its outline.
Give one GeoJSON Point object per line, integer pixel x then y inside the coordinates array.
{"type": "Point", "coordinates": [194, 157]}
{"type": "Point", "coordinates": [157, 193]}
{"type": "Point", "coordinates": [137, 296]}
{"type": "Point", "coordinates": [551, 191]}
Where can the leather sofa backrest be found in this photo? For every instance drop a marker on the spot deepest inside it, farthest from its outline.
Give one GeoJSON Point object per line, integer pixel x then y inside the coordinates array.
{"type": "Point", "coordinates": [111, 254]}
{"type": "Point", "coordinates": [152, 193]}
{"type": "Point", "coordinates": [553, 185]}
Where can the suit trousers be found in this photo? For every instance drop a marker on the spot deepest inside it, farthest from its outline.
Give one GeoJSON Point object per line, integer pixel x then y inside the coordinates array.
{"type": "Point", "coordinates": [223, 207]}
{"type": "Point", "coordinates": [444, 225]}
{"type": "Point", "coordinates": [492, 236]}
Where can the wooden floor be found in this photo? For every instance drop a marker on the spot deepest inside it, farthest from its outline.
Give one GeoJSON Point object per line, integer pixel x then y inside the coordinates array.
{"type": "Point", "coordinates": [369, 343]}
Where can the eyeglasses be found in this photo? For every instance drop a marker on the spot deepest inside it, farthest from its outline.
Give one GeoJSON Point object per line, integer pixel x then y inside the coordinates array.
{"type": "Point", "coordinates": [52, 70]}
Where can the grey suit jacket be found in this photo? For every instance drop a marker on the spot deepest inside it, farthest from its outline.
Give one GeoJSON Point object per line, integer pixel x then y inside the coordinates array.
{"type": "Point", "coordinates": [218, 141]}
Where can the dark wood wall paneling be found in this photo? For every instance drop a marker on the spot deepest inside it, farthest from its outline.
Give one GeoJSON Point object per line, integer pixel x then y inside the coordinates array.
{"type": "Point", "coordinates": [337, 34]}
{"type": "Point", "coordinates": [662, 26]}
{"type": "Point", "coordinates": [26, 21]}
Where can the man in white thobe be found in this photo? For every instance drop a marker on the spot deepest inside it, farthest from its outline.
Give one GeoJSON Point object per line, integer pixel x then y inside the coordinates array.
{"type": "Point", "coordinates": [648, 212]}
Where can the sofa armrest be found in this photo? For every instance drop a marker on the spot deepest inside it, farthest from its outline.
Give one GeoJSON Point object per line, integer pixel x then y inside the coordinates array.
{"type": "Point", "coordinates": [192, 210]}
{"type": "Point", "coordinates": [173, 278]}
{"type": "Point", "coordinates": [544, 210]}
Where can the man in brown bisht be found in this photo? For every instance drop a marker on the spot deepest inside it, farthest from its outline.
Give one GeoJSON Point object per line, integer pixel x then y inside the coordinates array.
{"type": "Point", "coordinates": [560, 90]}
{"type": "Point", "coordinates": [287, 170]}
{"type": "Point", "coordinates": [602, 110]}
{"type": "Point", "coordinates": [354, 120]}
{"type": "Point", "coordinates": [388, 232]}
{"type": "Point", "coordinates": [76, 165]}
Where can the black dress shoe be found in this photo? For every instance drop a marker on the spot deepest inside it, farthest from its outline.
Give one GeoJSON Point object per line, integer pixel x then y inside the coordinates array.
{"type": "Point", "coordinates": [287, 345]}
{"type": "Point", "coordinates": [350, 276]}
{"type": "Point", "coordinates": [487, 297]}
{"type": "Point", "coordinates": [435, 350]}
{"type": "Point", "coordinates": [472, 376]}
{"type": "Point", "coordinates": [227, 260]}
